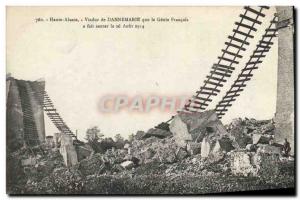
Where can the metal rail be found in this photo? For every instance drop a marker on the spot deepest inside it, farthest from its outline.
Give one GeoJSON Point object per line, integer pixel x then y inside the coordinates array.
{"type": "Point", "coordinates": [264, 45]}
{"type": "Point", "coordinates": [55, 116]}
{"type": "Point", "coordinates": [230, 55]}
{"type": "Point", "coordinates": [225, 66]}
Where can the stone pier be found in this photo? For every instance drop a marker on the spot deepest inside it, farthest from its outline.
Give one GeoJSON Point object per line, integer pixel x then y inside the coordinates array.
{"type": "Point", "coordinates": [284, 116]}
{"type": "Point", "coordinates": [24, 113]}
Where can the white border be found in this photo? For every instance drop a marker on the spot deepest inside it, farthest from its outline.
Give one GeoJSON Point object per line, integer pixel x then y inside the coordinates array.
{"type": "Point", "coordinates": [5, 3]}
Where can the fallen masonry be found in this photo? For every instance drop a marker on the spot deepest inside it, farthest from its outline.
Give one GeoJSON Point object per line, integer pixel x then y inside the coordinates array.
{"type": "Point", "coordinates": [196, 147]}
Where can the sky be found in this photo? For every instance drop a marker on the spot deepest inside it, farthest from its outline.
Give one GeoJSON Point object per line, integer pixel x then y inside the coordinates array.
{"type": "Point", "coordinates": [80, 65]}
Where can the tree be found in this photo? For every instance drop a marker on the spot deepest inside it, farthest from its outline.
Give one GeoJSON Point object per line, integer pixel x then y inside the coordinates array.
{"type": "Point", "coordinates": [119, 137]}
{"type": "Point", "coordinates": [93, 134]}
{"type": "Point", "coordinates": [131, 137]}
{"type": "Point", "coordinates": [119, 141]}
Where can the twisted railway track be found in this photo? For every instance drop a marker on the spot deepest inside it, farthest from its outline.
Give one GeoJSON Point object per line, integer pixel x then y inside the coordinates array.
{"type": "Point", "coordinates": [231, 53]}
{"type": "Point", "coordinates": [222, 70]}
{"type": "Point", "coordinates": [55, 116]}
{"type": "Point", "coordinates": [264, 45]}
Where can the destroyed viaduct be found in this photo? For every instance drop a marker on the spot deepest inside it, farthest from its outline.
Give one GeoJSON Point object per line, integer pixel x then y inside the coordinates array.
{"type": "Point", "coordinates": [27, 102]}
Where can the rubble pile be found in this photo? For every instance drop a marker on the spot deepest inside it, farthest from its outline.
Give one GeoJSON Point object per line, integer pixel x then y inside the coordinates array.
{"type": "Point", "coordinates": [194, 145]}
{"type": "Point", "coordinates": [154, 149]}
{"type": "Point", "coordinates": [251, 131]}
{"type": "Point", "coordinates": [60, 181]}
{"type": "Point", "coordinates": [32, 165]}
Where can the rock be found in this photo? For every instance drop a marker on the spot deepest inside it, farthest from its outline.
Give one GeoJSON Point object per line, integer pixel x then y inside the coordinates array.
{"type": "Point", "coordinates": [236, 122]}
{"type": "Point", "coordinates": [220, 148]}
{"type": "Point", "coordinates": [126, 146]}
{"type": "Point", "coordinates": [254, 164]}
{"type": "Point", "coordinates": [127, 164]}
{"type": "Point", "coordinates": [56, 138]}
{"type": "Point", "coordinates": [198, 124]}
{"type": "Point", "coordinates": [163, 126]}
{"type": "Point", "coordinates": [180, 131]}
{"type": "Point", "coordinates": [215, 156]}
{"type": "Point", "coordinates": [193, 148]}
{"type": "Point", "coordinates": [268, 149]}
{"type": "Point", "coordinates": [241, 164]}
{"type": "Point", "coordinates": [268, 128]}
{"type": "Point", "coordinates": [166, 156]}
{"type": "Point", "coordinates": [194, 160]}
{"type": "Point", "coordinates": [267, 165]}
{"type": "Point", "coordinates": [225, 144]}
{"type": "Point", "coordinates": [251, 147]}
{"type": "Point", "coordinates": [68, 151]}
{"type": "Point", "coordinates": [139, 135]}
{"type": "Point", "coordinates": [205, 148]}
{"type": "Point", "coordinates": [29, 161]}
{"type": "Point", "coordinates": [159, 133]}
{"type": "Point", "coordinates": [135, 161]}
{"type": "Point", "coordinates": [240, 137]}
{"type": "Point", "coordinates": [50, 141]}
{"type": "Point", "coordinates": [155, 150]}
{"type": "Point", "coordinates": [63, 181]}
{"type": "Point", "coordinates": [127, 157]}
{"type": "Point", "coordinates": [147, 154]}
{"type": "Point", "coordinates": [181, 154]}
{"type": "Point", "coordinates": [261, 139]}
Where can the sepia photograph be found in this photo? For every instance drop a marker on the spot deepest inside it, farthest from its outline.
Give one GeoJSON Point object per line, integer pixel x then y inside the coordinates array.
{"type": "Point", "coordinates": [150, 100]}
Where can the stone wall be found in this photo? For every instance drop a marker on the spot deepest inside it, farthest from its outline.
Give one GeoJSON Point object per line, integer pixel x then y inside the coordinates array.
{"type": "Point", "coordinates": [284, 117]}
{"type": "Point", "coordinates": [34, 89]}
{"type": "Point", "coordinates": [24, 128]}
{"type": "Point", "coordinates": [14, 117]}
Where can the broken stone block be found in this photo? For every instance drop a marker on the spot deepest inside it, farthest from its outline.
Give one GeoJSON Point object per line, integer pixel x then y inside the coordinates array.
{"type": "Point", "coordinates": [166, 156]}
{"type": "Point", "coordinates": [126, 146]}
{"type": "Point", "coordinates": [205, 148]}
{"type": "Point", "coordinates": [139, 135]}
{"type": "Point", "coordinates": [240, 137]}
{"type": "Point", "coordinates": [127, 164]}
{"type": "Point", "coordinates": [269, 149]}
{"type": "Point", "coordinates": [236, 122]}
{"type": "Point", "coordinates": [127, 157]}
{"type": "Point", "coordinates": [193, 148]}
{"type": "Point", "coordinates": [180, 131]}
{"type": "Point", "coordinates": [57, 137]}
{"type": "Point", "coordinates": [241, 164]}
{"type": "Point", "coordinates": [224, 144]}
{"type": "Point", "coordinates": [68, 151]}
{"type": "Point", "coordinates": [268, 128]}
{"type": "Point", "coordinates": [135, 160]}
{"type": "Point", "coordinates": [159, 133]}
{"type": "Point", "coordinates": [50, 141]}
{"type": "Point", "coordinates": [261, 139]}
{"type": "Point", "coordinates": [181, 154]}
{"type": "Point", "coordinates": [147, 153]}
{"type": "Point", "coordinates": [267, 164]}
{"type": "Point", "coordinates": [199, 124]}
{"type": "Point", "coordinates": [220, 147]}
{"type": "Point", "coordinates": [29, 161]}
{"type": "Point", "coordinates": [254, 164]}
{"type": "Point", "coordinates": [251, 147]}
{"type": "Point", "coordinates": [215, 156]}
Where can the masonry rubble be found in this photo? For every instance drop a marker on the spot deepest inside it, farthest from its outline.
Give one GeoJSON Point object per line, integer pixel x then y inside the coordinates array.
{"type": "Point", "coordinates": [197, 137]}
{"type": "Point", "coordinates": [197, 143]}
{"type": "Point", "coordinates": [67, 149]}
